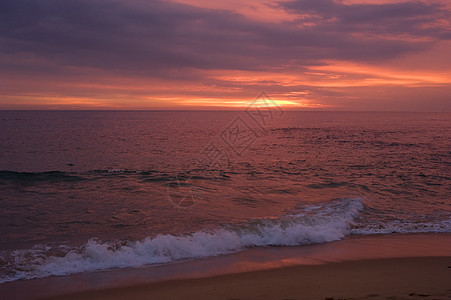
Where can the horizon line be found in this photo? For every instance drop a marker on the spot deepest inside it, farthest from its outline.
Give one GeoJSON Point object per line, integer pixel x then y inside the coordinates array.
{"type": "Point", "coordinates": [222, 110]}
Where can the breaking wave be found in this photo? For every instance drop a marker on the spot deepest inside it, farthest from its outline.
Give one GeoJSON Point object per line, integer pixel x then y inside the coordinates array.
{"type": "Point", "coordinates": [316, 224]}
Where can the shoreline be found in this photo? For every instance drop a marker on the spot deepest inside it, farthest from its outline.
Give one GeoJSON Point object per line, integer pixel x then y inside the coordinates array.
{"type": "Point", "coordinates": [387, 278]}
{"type": "Point", "coordinates": [359, 250]}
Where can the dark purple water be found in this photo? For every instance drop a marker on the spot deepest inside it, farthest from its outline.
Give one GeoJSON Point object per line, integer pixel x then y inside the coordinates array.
{"type": "Point", "coordinates": [84, 191]}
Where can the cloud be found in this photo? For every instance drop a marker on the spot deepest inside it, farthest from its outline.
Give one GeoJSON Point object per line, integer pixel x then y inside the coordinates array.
{"type": "Point", "coordinates": [410, 18]}
{"type": "Point", "coordinates": [176, 43]}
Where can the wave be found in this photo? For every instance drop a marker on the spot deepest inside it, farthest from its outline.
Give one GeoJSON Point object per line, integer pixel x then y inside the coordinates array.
{"type": "Point", "coordinates": [31, 177]}
{"type": "Point", "coordinates": [330, 224]}
{"type": "Point", "coordinates": [13, 177]}
{"type": "Point", "coordinates": [315, 224]}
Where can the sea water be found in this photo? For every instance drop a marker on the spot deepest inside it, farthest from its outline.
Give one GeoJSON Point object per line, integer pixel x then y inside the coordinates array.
{"type": "Point", "coordinates": [82, 191]}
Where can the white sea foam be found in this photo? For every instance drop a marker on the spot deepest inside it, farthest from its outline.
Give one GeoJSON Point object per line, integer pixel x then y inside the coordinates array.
{"type": "Point", "coordinates": [316, 224]}
{"type": "Point", "coordinates": [403, 227]}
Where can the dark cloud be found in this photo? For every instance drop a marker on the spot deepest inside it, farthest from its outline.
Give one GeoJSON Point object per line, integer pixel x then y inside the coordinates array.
{"type": "Point", "coordinates": [411, 18]}
{"type": "Point", "coordinates": [146, 36]}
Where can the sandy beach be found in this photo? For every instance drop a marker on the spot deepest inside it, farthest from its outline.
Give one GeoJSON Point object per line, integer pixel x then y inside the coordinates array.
{"type": "Point", "coordinates": [398, 278]}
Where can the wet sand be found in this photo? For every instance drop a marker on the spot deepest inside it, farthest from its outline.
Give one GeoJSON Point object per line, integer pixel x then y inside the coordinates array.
{"type": "Point", "coordinates": [398, 278]}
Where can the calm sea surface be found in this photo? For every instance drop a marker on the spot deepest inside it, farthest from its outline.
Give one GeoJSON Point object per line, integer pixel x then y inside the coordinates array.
{"type": "Point", "coordinates": [83, 191]}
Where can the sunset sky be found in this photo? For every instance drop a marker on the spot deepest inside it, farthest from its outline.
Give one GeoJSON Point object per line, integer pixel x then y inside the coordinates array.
{"type": "Point", "coordinates": [220, 54]}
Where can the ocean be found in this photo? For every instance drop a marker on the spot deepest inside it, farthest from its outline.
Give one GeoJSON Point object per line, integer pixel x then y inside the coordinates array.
{"type": "Point", "coordinates": [84, 191]}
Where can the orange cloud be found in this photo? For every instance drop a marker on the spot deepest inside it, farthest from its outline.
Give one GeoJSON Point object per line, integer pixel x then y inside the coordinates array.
{"type": "Point", "coordinates": [379, 75]}
{"type": "Point", "coordinates": [262, 11]}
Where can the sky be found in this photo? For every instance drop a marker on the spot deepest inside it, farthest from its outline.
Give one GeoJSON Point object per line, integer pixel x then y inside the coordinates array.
{"type": "Point", "coordinates": [383, 55]}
